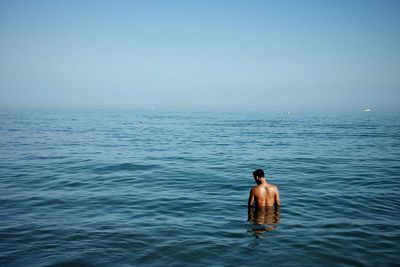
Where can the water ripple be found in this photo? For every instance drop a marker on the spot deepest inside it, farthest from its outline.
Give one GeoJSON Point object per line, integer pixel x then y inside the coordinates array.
{"type": "Point", "coordinates": [105, 188]}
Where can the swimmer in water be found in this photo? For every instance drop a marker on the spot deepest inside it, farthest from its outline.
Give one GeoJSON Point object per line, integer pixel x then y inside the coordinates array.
{"type": "Point", "coordinates": [264, 205]}
{"type": "Point", "coordinates": [263, 194]}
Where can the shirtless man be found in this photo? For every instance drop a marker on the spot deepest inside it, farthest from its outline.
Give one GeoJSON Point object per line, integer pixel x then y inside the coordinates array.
{"type": "Point", "coordinates": [263, 194]}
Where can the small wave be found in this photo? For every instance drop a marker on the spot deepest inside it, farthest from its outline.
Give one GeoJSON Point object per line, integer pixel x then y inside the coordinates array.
{"type": "Point", "coordinates": [125, 167]}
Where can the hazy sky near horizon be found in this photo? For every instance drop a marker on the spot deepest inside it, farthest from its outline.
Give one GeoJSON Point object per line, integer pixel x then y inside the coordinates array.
{"type": "Point", "coordinates": [201, 55]}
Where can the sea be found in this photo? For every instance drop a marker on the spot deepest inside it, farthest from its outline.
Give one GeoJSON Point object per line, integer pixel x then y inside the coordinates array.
{"type": "Point", "coordinates": [150, 188]}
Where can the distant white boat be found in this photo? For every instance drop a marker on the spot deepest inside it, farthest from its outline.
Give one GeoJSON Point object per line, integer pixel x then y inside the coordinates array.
{"type": "Point", "coordinates": [367, 110]}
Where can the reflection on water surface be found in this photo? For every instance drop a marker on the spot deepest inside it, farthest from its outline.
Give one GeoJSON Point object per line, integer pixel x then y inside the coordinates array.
{"type": "Point", "coordinates": [265, 219]}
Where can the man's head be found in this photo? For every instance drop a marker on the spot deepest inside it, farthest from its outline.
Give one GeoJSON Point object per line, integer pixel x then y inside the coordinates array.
{"type": "Point", "coordinates": [258, 175]}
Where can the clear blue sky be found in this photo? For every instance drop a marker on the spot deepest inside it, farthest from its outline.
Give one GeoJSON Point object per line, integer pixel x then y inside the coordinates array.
{"type": "Point", "coordinates": [201, 55]}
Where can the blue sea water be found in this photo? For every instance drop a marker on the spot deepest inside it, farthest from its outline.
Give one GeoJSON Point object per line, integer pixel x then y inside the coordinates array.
{"type": "Point", "coordinates": [126, 188]}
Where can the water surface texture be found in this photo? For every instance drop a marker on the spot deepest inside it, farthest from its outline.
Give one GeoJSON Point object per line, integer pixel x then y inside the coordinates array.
{"type": "Point", "coordinates": [125, 188]}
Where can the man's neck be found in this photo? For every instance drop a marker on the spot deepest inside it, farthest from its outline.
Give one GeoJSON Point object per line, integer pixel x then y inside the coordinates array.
{"type": "Point", "coordinates": [263, 181]}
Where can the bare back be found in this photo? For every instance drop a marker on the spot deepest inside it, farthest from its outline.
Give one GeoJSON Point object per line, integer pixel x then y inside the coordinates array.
{"type": "Point", "coordinates": [264, 195]}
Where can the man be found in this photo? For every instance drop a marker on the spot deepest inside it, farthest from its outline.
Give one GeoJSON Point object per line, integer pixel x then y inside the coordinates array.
{"type": "Point", "coordinates": [263, 194]}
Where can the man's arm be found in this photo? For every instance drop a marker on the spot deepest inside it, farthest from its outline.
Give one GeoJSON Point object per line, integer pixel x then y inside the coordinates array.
{"type": "Point", "coordinates": [250, 213]}
{"type": "Point", "coordinates": [277, 198]}
{"type": "Point", "coordinates": [251, 198]}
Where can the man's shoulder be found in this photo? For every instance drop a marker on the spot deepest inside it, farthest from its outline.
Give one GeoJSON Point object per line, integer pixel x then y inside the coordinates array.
{"type": "Point", "coordinates": [272, 186]}
{"type": "Point", "coordinates": [256, 187]}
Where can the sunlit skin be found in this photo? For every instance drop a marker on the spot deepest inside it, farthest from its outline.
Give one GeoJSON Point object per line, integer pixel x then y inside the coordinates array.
{"type": "Point", "coordinates": [264, 194]}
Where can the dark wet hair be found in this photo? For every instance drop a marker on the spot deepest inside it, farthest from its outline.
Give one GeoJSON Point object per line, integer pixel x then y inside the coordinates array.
{"type": "Point", "coordinates": [258, 173]}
